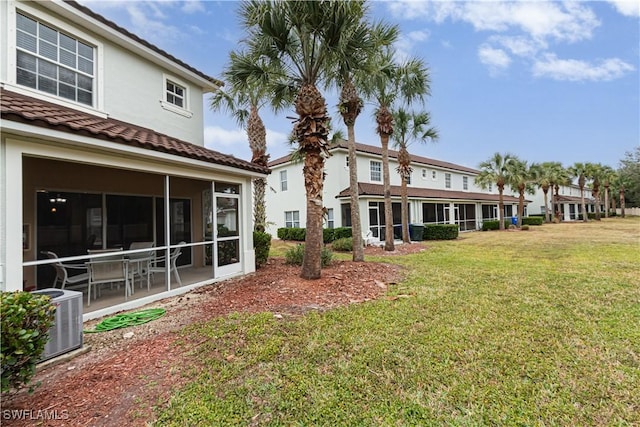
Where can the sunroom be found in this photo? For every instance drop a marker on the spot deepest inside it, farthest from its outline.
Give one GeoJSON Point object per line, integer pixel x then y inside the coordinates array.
{"type": "Point", "coordinates": [175, 215]}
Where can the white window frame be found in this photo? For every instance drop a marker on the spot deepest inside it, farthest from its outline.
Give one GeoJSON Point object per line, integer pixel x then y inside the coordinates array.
{"type": "Point", "coordinates": [465, 182]}
{"type": "Point", "coordinates": [330, 218]}
{"type": "Point", "coordinates": [346, 163]}
{"type": "Point", "coordinates": [408, 178]}
{"type": "Point", "coordinates": [62, 26]}
{"type": "Point", "coordinates": [424, 174]}
{"type": "Point", "coordinates": [284, 183]}
{"type": "Point", "coordinates": [434, 175]}
{"type": "Point", "coordinates": [447, 180]}
{"type": "Point", "coordinates": [292, 219]}
{"type": "Point", "coordinates": [185, 110]}
{"type": "Point", "coordinates": [372, 171]}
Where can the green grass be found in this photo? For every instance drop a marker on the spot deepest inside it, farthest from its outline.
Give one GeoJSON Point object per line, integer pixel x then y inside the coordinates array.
{"type": "Point", "coordinates": [539, 327]}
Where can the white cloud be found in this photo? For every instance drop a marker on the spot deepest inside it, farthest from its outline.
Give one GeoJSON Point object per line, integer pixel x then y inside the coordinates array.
{"type": "Point", "coordinates": [193, 6]}
{"type": "Point", "coordinates": [235, 142]}
{"type": "Point", "coordinates": [519, 45]}
{"type": "Point", "coordinates": [405, 45]}
{"type": "Point", "coordinates": [627, 7]}
{"type": "Point", "coordinates": [575, 70]}
{"type": "Point", "coordinates": [496, 59]}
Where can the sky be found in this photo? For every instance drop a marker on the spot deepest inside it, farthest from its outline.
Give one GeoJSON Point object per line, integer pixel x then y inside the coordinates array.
{"type": "Point", "coordinates": [543, 80]}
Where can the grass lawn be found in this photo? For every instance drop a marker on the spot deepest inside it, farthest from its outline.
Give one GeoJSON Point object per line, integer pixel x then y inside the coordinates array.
{"type": "Point", "coordinates": [539, 327]}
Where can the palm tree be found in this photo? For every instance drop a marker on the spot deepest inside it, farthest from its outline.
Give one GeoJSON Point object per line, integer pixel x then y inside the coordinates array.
{"type": "Point", "coordinates": [350, 105]}
{"type": "Point", "coordinates": [388, 85]}
{"type": "Point", "coordinates": [543, 173]}
{"type": "Point", "coordinates": [595, 173]}
{"type": "Point", "coordinates": [300, 44]}
{"type": "Point", "coordinates": [520, 177]}
{"type": "Point", "coordinates": [409, 127]}
{"type": "Point", "coordinates": [496, 171]}
{"type": "Point", "coordinates": [580, 171]}
{"type": "Point", "coordinates": [559, 176]}
{"type": "Point", "coordinates": [243, 101]}
{"type": "Point", "coordinates": [609, 176]}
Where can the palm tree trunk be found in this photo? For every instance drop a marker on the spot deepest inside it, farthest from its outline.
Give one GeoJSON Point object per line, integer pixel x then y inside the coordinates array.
{"type": "Point", "coordinates": [520, 207]}
{"type": "Point", "coordinates": [259, 211]}
{"type": "Point", "coordinates": [356, 226]}
{"type": "Point", "coordinates": [583, 205]}
{"type": "Point", "coordinates": [386, 178]}
{"type": "Point", "coordinates": [547, 213]}
{"type": "Point", "coordinates": [404, 211]}
{"type": "Point", "coordinates": [622, 202]}
{"type": "Point", "coordinates": [501, 207]}
{"type": "Point", "coordinates": [606, 201]}
{"type": "Point", "coordinates": [312, 170]}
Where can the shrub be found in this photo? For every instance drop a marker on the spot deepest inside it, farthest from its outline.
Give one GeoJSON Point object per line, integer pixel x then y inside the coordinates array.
{"type": "Point", "coordinates": [494, 225]}
{"type": "Point", "coordinates": [344, 244]}
{"type": "Point", "coordinates": [440, 231]}
{"type": "Point", "coordinates": [341, 233]}
{"type": "Point", "coordinates": [532, 220]}
{"type": "Point", "coordinates": [327, 235]}
{"type": "Point", "coordinates": [292, 233]}
{"type": "Point", "coordinates": [295, 255]}
{"type": "Point", "coordinates": [261, 245]}
{"type": "Point", "coordinates": [25, 320]}
{"type": "Point", "coordinates": [524, 228]}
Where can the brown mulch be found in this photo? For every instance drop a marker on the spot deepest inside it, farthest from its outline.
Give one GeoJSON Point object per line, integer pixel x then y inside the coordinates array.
{"type": "Point", "coordinates": [123, 378]}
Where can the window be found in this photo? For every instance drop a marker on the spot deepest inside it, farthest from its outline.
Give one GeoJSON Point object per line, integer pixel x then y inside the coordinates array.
{"type": "Point", "coordinates": [330, 220]}
{"type": "Point", "coordinates": [424, 173]}
{"type": "Point", "coordinates": [347, 161]}
{"type": "Point", "coordinates": [292, 219]}
{"type": "Point", "coordinates": [490, 188]}
{"type": "Point", "coordinates": [284, 186]}
{"type": "Point", "coordinates": [176, 94]}
{"type": "Point", "coordinates": [465, 183]}
{"type": "Point", "coordinates": [53, 62]}
{"type": "Point", "coordinates": [408, 179]}
{"type": "Point", "coordinates": [447, 180]}
{"type": "Point", "coordinates": [376, 171]}
{"type": "Point", "coordinates": [434, 175]}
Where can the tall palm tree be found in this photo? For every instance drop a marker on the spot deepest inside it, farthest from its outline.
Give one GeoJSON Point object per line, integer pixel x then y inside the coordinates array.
{"type": "Point", "coordinates": [302, 43]}
{"type": "Point", "coordinates": [609, 175]}
{"type": "Point", "coordinates": [243, 101]}
{"type": "Point", "coordinates": [350, 106]}
{"type": "Point", "coordinates": [595, 173]}
{"type": "Point", "coordinates": [409, 127]}
{"type": "Point", "coordinates": [520, 177]}
{"type": "Point", "coordinates": [543, 173]}
{"type": "Point", "coordinates": [495, 170]}
{"type": "Point", "coordinates": [580, 171]}
{"type": "Point", "coordinates": [559, 176]}
{"type": "Point", "coordinates": [392, 84]}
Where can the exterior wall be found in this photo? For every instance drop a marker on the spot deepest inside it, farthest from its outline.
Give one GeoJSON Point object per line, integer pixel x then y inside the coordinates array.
{"type": "Point", "coordinates": [136, 99]}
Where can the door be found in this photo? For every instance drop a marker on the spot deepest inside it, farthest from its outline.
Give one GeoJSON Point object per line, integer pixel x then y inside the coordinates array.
{"type": "Point", "coordinates": [227, 226]}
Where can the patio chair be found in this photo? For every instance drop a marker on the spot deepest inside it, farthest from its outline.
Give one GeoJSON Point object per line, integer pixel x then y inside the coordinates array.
{"type": "Point", "coordinates": [108, 270]}
{"type": "Point", "coordinates": [173, 257]}
{"type": "Point", "coordinates": [140, 262]}
{"type": "Point", "coordinates": [62, 275]}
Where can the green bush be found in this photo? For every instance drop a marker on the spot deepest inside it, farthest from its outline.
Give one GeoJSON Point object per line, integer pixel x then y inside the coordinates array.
{"type": "Point", "coordinates": [327, 235]}
{"type": "Point", "coordinates": [524, 227]}
{"type": "Point", "coordinates": [532, 220]}
{"type": "Point", "coordinates": [494, 225]}
{"type": "Point", "coordinates": [25, 320]}
{"type": "Point", "coordinates": [342, 232]}
{"type": "Point", "coordinates": [261, 245]}
{"type": "Point", "coordinates": [292, 233]}
{"type": "Point", "coordinates": [295, 255]}
{"type": "Point", "coordinates": [344, 244]}
{"type": "Point", "coordinates": [440, 231]}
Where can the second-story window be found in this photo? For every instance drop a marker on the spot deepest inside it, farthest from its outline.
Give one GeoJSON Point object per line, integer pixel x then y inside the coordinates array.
{"type": "Point", "coordinates": [424, 173]}
{"type": "Point", "coordinates": [434, 175]}
{"type": "Point", "coordinates": [53, 62]}
{"type": "Point", "coordinates": [176, 94]}
{"type": "Point", "coordinates": [447, 180]}
{"type": "Point", "coordinates": [284, 186]}
{"type": "Point", "coordinates": [465, 182]}
{"type": "Point", "coordinates": [408, 179]}
{"type": "Point", "coordinates": [376, 171]}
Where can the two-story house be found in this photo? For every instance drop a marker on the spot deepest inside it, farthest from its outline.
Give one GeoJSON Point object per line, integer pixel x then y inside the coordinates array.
{"type": "Point", "coordinates": [102, 148]}
{"type": "Point", "coordinates": [439, 193]}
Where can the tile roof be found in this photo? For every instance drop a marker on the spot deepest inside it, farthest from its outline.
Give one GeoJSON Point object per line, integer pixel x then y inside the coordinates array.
{"type": "Point", "coordinates": [21, 108]}
{"type": "Point", "coordinates": [377, 151]}
{"type": "Point", "coordinates": [367, 189]}
{"type": "Point", "coordinates": [143, 42]}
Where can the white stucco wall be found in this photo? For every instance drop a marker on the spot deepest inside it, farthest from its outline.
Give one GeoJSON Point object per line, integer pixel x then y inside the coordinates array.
{"type": "Point", "coordinates": [127, 86]}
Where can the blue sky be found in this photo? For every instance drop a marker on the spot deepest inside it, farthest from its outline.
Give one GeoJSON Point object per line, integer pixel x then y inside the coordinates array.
{"type": "Point", "coordinates": [546, 81]}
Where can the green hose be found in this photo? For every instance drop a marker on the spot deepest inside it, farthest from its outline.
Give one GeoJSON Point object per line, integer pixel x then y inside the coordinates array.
{"type": "Point", "coordinates": [128, 319]}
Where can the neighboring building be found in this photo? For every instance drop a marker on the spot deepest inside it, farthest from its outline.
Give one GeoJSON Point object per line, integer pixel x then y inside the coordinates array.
{"type": "Point", "coordinates": [102, 145]}
{"type": "Point", "coordinates": [439, 193]}
{"type": "Point", "coordinates": [569, 201]}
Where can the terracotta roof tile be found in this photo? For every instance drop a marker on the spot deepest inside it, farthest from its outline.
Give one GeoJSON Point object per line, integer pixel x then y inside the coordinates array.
{"type": "Point", "coordinates": [26, 109]}
{"type": "Point", "coordinates": [367, 189]}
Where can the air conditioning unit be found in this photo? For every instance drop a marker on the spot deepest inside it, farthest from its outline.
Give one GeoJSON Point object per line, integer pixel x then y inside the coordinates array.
{"type": "Point", "coordinates": [66, 333]}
